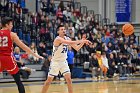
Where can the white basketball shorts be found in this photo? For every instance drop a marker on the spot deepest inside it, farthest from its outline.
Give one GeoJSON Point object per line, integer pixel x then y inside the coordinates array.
{"type": "Point", "coordinates": [55, 67]}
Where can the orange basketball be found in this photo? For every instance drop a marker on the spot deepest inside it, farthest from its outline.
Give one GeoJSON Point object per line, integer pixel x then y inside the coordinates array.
{"type": "Point", "coordinates": [128, 29]}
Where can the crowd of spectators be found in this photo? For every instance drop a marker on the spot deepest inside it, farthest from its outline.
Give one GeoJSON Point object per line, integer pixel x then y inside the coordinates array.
{"type": "Point", "coordinates": [121, 52]}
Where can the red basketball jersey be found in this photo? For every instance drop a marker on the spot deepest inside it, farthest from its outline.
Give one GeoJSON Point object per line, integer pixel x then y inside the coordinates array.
{"type": "Point", "coordinates": [6, 43]}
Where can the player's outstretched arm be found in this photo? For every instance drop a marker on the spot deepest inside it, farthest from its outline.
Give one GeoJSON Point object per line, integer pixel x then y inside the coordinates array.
{"type": "Point", "coordinates": [16, 39]}
{"type": "Point", "coordinates": [77, 47]}
{"type": "Point", "coordinates": [62, 40]}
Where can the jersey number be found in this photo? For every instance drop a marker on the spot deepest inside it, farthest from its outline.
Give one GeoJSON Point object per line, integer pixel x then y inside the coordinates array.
{"type": "Point", "coordinates": [4, 41]}
{"type": "Point", "coordinates": [65, 49]}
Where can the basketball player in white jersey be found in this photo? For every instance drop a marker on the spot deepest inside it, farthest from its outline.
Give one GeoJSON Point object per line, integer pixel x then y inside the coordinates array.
{"type": "Point", "coordinates": [59, 56]}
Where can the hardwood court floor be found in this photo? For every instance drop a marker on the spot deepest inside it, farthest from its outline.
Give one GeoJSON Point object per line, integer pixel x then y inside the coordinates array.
{"type": "Point", "coordinates": [122, 86]}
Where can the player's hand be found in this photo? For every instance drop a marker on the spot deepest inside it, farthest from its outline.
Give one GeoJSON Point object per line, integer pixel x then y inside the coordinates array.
{"type": "Point", "coordinates": [40, 57]}
{"type": "Point", "coordinates": [87, 42]}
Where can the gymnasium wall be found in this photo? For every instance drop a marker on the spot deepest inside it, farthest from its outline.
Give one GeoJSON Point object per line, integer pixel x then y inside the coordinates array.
{"type": "Point", "coordinates": [137, 13]}
{"type": "Point", "coordinates": [98, 7]}
{"type": "Point", "coordinates": [91, 4]}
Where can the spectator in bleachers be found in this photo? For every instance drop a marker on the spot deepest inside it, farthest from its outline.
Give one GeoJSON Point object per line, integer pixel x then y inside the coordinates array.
{"type": "Point", "coordinates": [130, 50]}
{"type": "Point", "coordinates": [34, 18]}
{"type": "Point", "coordinates": [65, 12]}
{"type": "Point", "coordinates": [96, 29]}
{"type": "Point", "coordinates": [104, 67]}
{"type": "Point", "coordinates": [67, 29]}
{"type": "Point", "coordinates": [17, 56]}
{"type": "Point", "coordinates": [41, 22]}
{"type": "Point", "coordinates": [89, 29]}
{"type": "Point", "coordinates": [96, 22]}
{"type": "Point", "coordinates": [92, 38]}
{"type": "Point", "coordinates": [18, 14]}
{"type": "Point", "coordinates": [78, 24]}
{"type": "Point", "coordinates": [71, 31]}
{"type": "Point", "coordinates": [92, 48]}
{"type": "Point", "coordinates": [135, 46]}
{"type": "Point", "coordinates": [112, 65]}
{"type": "Point", "coordinates": [39, 14]}
{"type": "Point", "coordinates": [70, 5]}
{"type": "Point", "coordinates": [119, 63]}
{"type": "Point", "coordinates": [43, 29]}
{"type": "Point", "coordinates": [73, 18]}
{"type": "Point", "coordinates": [130, 65]}
{"type": "Point", "coordinates": [84, 53]}
{"type": "Point", "coordinates": [51, 31]}
{"type": "Point", "coordinates": [18, 9]}
{"type": "Point", "coordinates": [24, 71]}
{"type": "Point", "coordinates": [92, 21]}
{"type": "Point", "coordinates": [102, 47]}
{"type": "Point", "coordinates": [44, 6]}
{"type": "Point", "coordinates": [77, 12]}
{"type": "Point", "coordinates": [135, 57]}
{"type": "Point", "coordinates": [12, 9]}
{"type": "Point", "coordinates": [121, 44]}
{"type": "Point", "coordinates": [124, 48]}
{"type": "Point", "coordinates": [31, 58]}
{"type": "Point", "coordinates": [114, 28]}
{"type": "Point", "coordinates": [105, 39]}
{"type": "Point", "coordinates": [59, 14]}
{"type": "Point", "coordinates": [58, 21]}
{"type": "Point", "coordinates": [8, 9]}
{"type": "Point", "coordinates": [94, 66]}
{"type": "Point", "coordinates": [112, 38]}
{"type": "Point", "coordinates": [110, 47]}
{"type": "Point", "coordinates": [70, 59]}
{"type": "Point", "coordinates": [125, 64]}
{"type": "Point", "coordinates": [52, 7]}
{"type": "Point", "coordinates": [42, 50]}
{"type": "Point", "coordinates": [98, 54]}
{"type": "Point", "coordinates": [47, 20]}
{"type": "Point", "coordinates": [46, 65]}
{"type": "Point", "coordinates": [133, 38]}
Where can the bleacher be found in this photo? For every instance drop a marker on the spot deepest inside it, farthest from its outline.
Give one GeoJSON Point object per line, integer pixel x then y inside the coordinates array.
{"type": "Point", "coordinates": [37, 75]}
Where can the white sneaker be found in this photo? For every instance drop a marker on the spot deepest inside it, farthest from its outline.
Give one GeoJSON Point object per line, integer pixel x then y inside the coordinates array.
{"type": "Point", "coordinates": [23, 68]}
{"type": "Point", "coordinates": [33, 70]}
{"type": "Point", "coordinates": [62, 79]}
{"type": "Point", "coordinates": [115, 74]}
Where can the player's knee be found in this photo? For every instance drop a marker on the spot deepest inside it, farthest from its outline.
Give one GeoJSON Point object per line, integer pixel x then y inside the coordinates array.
{"type": "Point", "coordinates": [48, 82]}
{"type": "Point", "coordinates": [68, 79]}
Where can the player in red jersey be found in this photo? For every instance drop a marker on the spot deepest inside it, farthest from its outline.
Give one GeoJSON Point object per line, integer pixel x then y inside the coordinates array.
{"type": "Point", "coordinates": [6, 51]}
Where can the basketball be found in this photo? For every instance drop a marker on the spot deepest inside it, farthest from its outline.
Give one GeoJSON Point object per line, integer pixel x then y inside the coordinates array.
{"type": "Point", "coordinates": [127, 29]}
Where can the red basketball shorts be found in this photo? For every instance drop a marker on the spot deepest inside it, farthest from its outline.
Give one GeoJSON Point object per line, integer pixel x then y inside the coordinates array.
{"type": "Point", "coordinates": [7, 63]}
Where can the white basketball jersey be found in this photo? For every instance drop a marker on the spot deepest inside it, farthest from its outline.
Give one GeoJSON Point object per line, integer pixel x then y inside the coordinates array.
{"type": "Point", "coordinates": [60, 52]}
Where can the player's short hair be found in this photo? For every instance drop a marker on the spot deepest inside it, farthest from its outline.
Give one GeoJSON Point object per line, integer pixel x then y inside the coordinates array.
{"type": "Point", "coordinates": [5, 20]}
{"type": "Point", "coordinates": [59, 27]}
